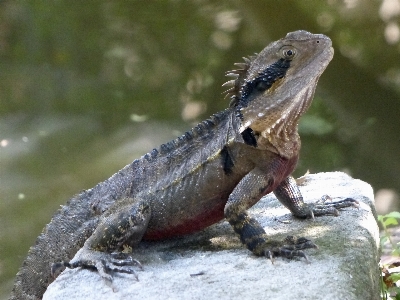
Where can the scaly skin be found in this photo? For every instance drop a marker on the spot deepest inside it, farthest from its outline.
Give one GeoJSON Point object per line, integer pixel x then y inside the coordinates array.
{"type": "Point", "coordinates": [217, 170]}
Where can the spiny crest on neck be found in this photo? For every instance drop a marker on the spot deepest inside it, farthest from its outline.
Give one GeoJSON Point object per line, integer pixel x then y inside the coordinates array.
{"type": "Point", "coordinates": [239, 75]}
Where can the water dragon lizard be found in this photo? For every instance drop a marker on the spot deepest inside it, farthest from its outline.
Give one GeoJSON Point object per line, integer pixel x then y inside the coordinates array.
{"type": "Point", "coordinates": [217, 170]}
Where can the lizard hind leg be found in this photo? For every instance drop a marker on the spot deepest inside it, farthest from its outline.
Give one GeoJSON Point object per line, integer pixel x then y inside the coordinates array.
{"type": "Point", "coordinates": [123, 224]}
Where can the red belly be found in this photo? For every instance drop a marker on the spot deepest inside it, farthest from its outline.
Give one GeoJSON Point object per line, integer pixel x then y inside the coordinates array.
{"type": "Point", "coordinates": [199, 222]}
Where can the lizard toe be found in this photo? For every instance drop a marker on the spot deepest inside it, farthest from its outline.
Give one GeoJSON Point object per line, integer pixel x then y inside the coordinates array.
{"type": "Point", "coordinates": [290, 248]}
{"type": "Point", "coordinates": [124, 259]}
{"type": "Point", "coordinates": [298, 243]}
{"type": "Point", "coordinates": [289, 253]}
{"type": "Point", "coordinates": [106, 264]}
{"type": "Point", "coordinates": [331, 208]}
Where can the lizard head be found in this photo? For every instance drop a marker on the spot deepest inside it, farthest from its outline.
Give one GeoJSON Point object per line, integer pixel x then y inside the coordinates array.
{"type": "Point", "coordinates": [274, 88]}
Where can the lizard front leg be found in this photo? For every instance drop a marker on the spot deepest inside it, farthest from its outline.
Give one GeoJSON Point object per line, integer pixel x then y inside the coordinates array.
{"type": "Point", "coordinates": [124, 224]}
{"type": "Point", "coordinates": [249, 190]}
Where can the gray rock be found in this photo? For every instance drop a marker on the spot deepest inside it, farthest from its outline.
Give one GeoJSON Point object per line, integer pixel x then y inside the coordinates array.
{"type": "Point", "coordinates": [213, 264]}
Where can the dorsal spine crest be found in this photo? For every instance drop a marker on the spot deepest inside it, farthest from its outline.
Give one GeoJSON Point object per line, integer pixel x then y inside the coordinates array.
{"type": "Point", "coordinates": [201, 129]}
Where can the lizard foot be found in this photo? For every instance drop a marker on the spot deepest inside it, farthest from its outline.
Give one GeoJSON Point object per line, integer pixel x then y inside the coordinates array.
{"type": "Point", "coordinates": [106, 264]}
{"type": "Point", "coordinates": [331, 208]}
{"type": "Point", "coordinates": [290, 247]}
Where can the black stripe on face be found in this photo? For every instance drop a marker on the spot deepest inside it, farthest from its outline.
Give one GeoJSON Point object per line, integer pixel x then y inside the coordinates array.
{"type": "Point", "coordinates": [226, 159]}
{"type": "Point", "coordinates": [263, 81]}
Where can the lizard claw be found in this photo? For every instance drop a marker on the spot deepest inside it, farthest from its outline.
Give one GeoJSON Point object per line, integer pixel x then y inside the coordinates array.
{"type": "Point", "coordinates": [106, 264]}
{"type": "Point", "coordinates": [332, 207]}
{"type": "Point", "coordinates": [301, 243]}
{"type": "Point", "coordinates": [122, 265]}
{"type": "Point", "coordinates": [270, 255]}
{"type": "Point", "coordinates": [290, 247]}
{"type": "Point", "coordinates": [124, 259]}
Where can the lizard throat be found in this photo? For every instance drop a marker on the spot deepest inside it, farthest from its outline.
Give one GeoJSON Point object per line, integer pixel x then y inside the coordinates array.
{"type": "Point", "coordinates": [276, 122]}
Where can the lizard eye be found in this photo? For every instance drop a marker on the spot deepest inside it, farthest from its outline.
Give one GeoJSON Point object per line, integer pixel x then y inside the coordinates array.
{"type": "Point", "coordinates": [288, 52]}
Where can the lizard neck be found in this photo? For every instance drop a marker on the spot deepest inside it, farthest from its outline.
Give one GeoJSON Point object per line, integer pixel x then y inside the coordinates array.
{"type": "Point", "coordinates": [277, 125]}
{"type": "Point", "coordinates": [273, 114]}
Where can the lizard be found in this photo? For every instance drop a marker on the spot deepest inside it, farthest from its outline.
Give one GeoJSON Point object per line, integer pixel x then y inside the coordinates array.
{"type": "Point", "coordinates": [215, 171]}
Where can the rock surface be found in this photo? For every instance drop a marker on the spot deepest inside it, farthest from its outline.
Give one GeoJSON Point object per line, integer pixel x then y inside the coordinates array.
{"type": "Point", "coordinates": [213, 264]}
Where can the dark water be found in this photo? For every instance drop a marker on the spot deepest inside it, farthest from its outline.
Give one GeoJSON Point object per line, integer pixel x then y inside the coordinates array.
{"type": "Point", "coordinates": [86, 87]}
